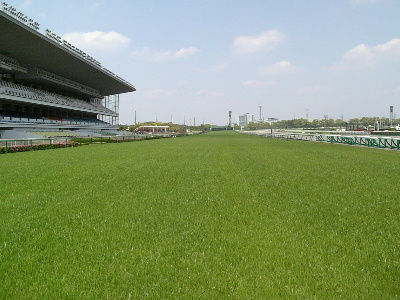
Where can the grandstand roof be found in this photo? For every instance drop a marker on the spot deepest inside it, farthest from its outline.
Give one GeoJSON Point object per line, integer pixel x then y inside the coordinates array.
{"type": "Point", "coordinates": [35, 50]}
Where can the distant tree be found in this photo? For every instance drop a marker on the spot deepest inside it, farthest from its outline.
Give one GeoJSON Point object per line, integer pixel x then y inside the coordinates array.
{"type": "Point", "coordinates": [354, 121]}
{"type": "Point", "coordinates": [300, 123]}
{"type": "Point", "coordinates": [385, 122]}
{"type": "Point", "coordinates": [202, 127]}
{"type": "Point", "coordinates": [122, 127]}
{"type": "Point", "coordinates": [280, 124]}
{"type": "Point", "coordinates": [340, 123]}
{"type": "Point", "coordinates": [266, 125]}
{"type": "Point", "coordinates": [367, 121]}
{"type": "Point", "coordinates": [251, 126]}
{"type": "Point", "coordinates": [172, 127]}
{"type": "Point", "coordinates": [315, 123]}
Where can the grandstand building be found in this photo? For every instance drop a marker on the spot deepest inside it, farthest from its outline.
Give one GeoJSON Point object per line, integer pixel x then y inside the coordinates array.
{"type": "Point", "coordinates": [47, 84]}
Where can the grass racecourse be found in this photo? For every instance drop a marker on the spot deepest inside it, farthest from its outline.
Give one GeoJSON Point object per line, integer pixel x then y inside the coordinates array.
{"type": "Point", "coordinates": [214, 216]}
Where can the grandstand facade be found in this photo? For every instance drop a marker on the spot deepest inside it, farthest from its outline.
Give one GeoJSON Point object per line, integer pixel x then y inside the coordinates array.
{"type": "Point", "coordinates": [47, 84]}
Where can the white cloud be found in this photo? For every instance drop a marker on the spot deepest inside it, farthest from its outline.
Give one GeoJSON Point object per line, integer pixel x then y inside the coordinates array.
{"type": "Point", "coordinates": [365, 56]}
{"type": "Point", "coordinates": [258, 83]}
{"type": "Point", "coordinates": [310, 90]}
{"type": "Point", "coordinates": [95, 5]}
{"type": "Point", "coordinates": [156, 55]}
{"type": "Point", "coordinates": [267, 40]}
{"type": "Point", "coordinates": [97, 40]}
{"type": "Point", "coordinates": [212, 68]}
{"type": "Point", "coordinates": [218, 67]}
{"type": "Point", "coordinates": [155, 93]}
{"type": "Point", "coordinates": [160, 93]}
{"type": "Point", "coordinates": [26, 4]}
{"type": "Point", "coordinates": [206, 95]}
{"type": "Point", "coordinates": [281, 67]}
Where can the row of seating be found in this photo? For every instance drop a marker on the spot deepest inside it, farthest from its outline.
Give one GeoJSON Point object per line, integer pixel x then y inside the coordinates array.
{"type": "Point", "coordinates": [8, 62]}
{"type": "Point", "coordinates": [13, 89]}
{"type": "Point", "coordinates": [67, 82]}
{"type": "Point", "coordinates": [54, 133]}
{"type": "Point", "coordinates": [27, 115]}
{"type": "Point", "coordinates": [45, 120]}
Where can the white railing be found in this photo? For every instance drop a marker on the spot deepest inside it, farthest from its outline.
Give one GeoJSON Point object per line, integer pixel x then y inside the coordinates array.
{"type": "Point", "coordinates": [13, 63]}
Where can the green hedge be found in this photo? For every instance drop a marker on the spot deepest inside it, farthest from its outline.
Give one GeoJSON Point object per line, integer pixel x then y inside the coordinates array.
{"type": "Point", "coordinates": [23, 148]}
{"type": "Point", "coordinates": [106, 140]}
{"type": "Point", "coordinates": [79, 141]}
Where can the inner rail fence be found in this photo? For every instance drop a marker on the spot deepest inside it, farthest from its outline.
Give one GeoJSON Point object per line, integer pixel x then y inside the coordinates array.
{"type": "Point", "coordinates": [383, 142]}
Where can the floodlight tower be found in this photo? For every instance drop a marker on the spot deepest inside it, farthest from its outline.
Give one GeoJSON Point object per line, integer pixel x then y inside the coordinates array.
{"type": "Point", "coordinates": [391, 117]}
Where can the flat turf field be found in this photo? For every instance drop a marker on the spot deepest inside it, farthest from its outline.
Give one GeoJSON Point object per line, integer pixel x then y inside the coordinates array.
{"type": "Point", "coordinates": [215, 216]}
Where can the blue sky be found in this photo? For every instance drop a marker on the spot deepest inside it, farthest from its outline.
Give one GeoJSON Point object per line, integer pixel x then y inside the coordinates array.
{"type": "Point", "coordinates": [199, 59]}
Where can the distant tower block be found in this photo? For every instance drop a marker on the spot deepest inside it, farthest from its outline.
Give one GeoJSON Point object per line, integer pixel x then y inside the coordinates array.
{"type": "Point", "coordinates": [230, 118]}
{"type": "Point", "coordinates": [260, 113]}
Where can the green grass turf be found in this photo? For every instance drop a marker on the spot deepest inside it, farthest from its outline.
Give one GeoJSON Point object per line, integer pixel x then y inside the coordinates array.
{"type": "Point", "coordinates": [220, 215]}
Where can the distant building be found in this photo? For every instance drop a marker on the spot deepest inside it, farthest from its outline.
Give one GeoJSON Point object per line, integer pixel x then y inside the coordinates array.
{"type": "Point", "coordinates": [272, 120]}
{"type": "Point", "coordinates": [152, 129]}
{"type": "Point", "coordinates": [245, 119]}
